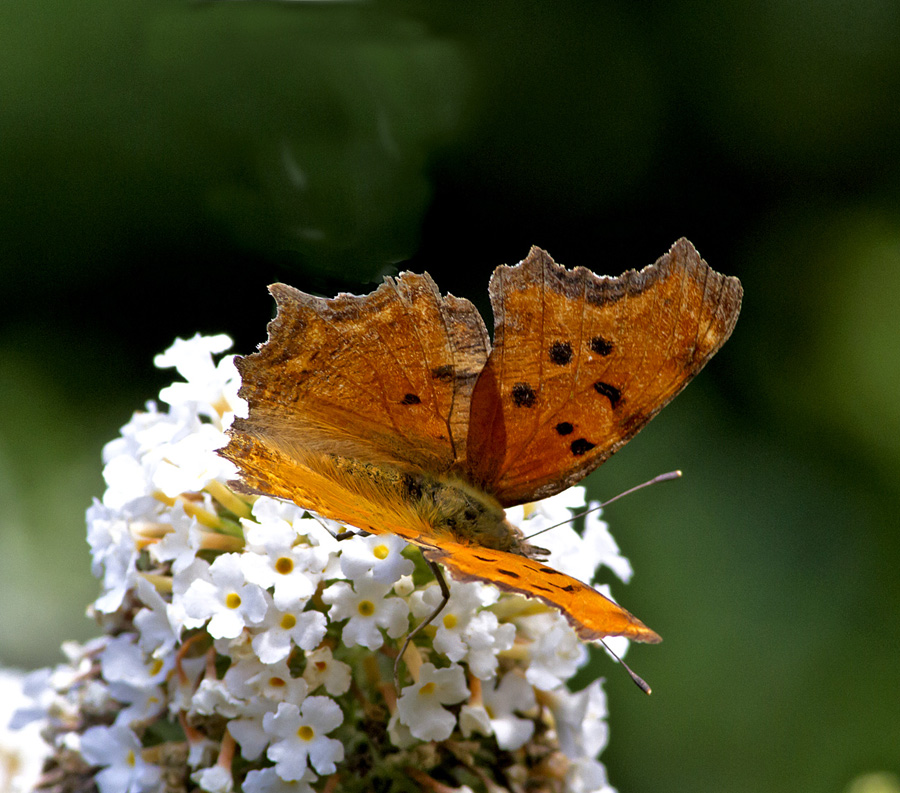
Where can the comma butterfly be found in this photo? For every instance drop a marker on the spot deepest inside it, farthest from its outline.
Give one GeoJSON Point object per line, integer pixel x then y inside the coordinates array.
{"type": "Point", "coordinates": [392, 412]}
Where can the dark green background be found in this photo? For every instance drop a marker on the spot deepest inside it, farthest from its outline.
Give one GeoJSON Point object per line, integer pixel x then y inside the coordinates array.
{"type": "Point", "coordinates": [161, 162]}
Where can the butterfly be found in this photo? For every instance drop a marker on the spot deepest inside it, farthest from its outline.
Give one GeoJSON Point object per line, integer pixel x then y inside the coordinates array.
{"type": "Point", "coordinates": [393, 412]}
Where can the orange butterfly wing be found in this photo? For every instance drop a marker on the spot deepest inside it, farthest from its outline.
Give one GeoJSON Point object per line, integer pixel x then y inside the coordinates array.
{"type": "Point", "coordinates": [592, 615]}
{"type": "Point", "coordinates": [382, 377]}
{"type": "Point", "coordinates": [582, 362]}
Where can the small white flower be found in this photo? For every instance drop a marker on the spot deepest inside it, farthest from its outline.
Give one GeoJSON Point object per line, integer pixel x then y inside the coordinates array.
{"type": "Point", "coordinates": [323, 670]}
{"type": "Point", "coordinates": [118, 751]}
{"type": "Point", "coordinates": [302, 734]}
{"type": "Point", "coordinates": [486, 638]}
{"type": "Point", "coordinates": [380, 554]}
{"type": "Point", "coordinates": [251, 680]}
{"type": "Point", "coordinates": [227, 600]}
{"type": "Point", "coordinates": [556, 652]}
{"type": "Point", "coordinates": [462, 631]}
{"type": "Point", "coordinates": [215, 779]}
{"type": "Point", "coordinates": [587, 776]}
{"type": "Point", "coordinates": [501, 702]}
{"type": "Point", "coordinates": [182, 686]}
{"type": "Point", "coordinates": [583, 733]}
{"type": "Point", "coordinates": [266, 780]}
{"type": "Point", "coordinates": [180, 545]}
{"type": "Point", "coordinates": [24, 704]}
{"type": "Point", "coordinates": [420, 706]}
{"type": "Point", "coordinates": [581, 720]}
{"type": "Point", "coordinates": [156, 635]}
{"type": "Point", "coordinates": [604, 547]}
{"type": "Point", "coordinates": [123, 661]}
{"type": "Point", "coordinates": [191, 462]}
{"type": "Point", "coordinates": [114, 555]}
{"type": "Point", "coordinates": [182, 581]}
{"type": "Point", "coordinates": [144, 704]}
{"type": "Point", "coordinates": [453, 619]}
{"type": "Point", "coordinates": [248, 730]}
{"type": "Point", "coordinates": [262, 687]}
{"type": "Point", "coordinates": [210, 388]}
{"type": "Point", "coordinates": [273, 640]}
{"type": "Point", "coordinates": [366, 609]}
{"type": "Point", "coordinates": [293, 571]}
{"type": "Point", "coordinates": [214, 698]}
{"type": "Point", "coordinates": [126, 470]}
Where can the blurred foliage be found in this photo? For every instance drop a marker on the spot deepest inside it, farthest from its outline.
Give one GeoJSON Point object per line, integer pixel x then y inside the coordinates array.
{"type": "Point", "coordinates": [161, 162]}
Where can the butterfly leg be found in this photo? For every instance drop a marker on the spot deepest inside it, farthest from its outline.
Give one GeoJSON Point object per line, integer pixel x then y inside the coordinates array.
{"type": "Point", "coordinates": [445, 596]}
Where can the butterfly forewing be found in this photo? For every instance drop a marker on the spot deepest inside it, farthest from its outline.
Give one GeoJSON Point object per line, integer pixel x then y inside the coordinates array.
{"type": "Point", "coordinates": [383, 377]}
{"type": "Point", "coordinates": [581, 362]}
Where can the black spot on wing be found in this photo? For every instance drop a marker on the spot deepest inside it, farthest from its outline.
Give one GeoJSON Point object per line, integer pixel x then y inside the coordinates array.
{"type": "Point", "coordinates": [410, 399]}
{"type": "Point", "coordinates": [523, 395]}
{"type": "Point", "coordinates": [560, 352]}
{"type": "Point", "coordinates": [564, 428]}
{"type": "Point", "coordinates": [549, 570]}
{"type": "Point", "coordinates": [600, 345]}
{"type": "Point", "coordinates": [609, 391]}
{"type": "Point", "coordinates": [581, 446]}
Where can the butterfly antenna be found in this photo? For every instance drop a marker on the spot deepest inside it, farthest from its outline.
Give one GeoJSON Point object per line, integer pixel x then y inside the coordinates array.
{"type": "Point", "coordinates": [656, 480]}
{"type": "Point", "coordinates": [638, 680]}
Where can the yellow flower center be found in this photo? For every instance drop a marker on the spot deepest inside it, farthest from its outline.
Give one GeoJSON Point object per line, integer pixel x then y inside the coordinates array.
{"type": "Point", "coordinates": [155, 666]}
{"type": "Point", "coordinates": [288, 621]}
{"type": "Point", "coordinates": [306, 733]}
{"type": "Point", "coordinates": [366, 608]}
{"type": "Point", "coordinates": [449, 621]}
{"type": "Point", "coordinates": [284, 565]}
{"type": "Point", "coordinates": [277, 682]}
{"type": "Point", "coordinates": [381, 551]}
{"type": "Point", "coordinates": [428, 689]}
{"type": "Point", "coordinates": [233, 600]}
{"type": "Point", "coordinates": [130, 759]}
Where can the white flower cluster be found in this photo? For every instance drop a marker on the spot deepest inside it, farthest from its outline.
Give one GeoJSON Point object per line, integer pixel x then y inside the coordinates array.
{"type": "Point", "coordinates": [248, 648]}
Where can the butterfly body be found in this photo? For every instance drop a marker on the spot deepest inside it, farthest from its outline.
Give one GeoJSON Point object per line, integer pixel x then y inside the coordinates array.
{"type": "Point", "coordinates": [450, 508]}
{"type": "Point", "coordinates": [393, 412]}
